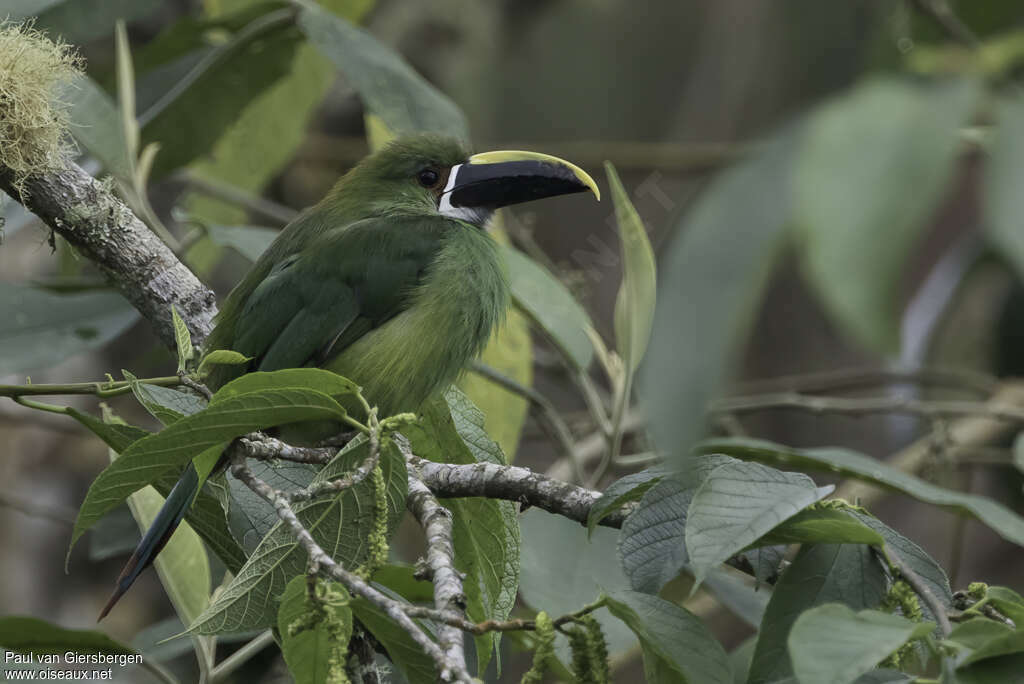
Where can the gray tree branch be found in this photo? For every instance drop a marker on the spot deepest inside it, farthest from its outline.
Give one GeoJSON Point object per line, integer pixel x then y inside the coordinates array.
{"type": "Point", "coordinates": [87, 214]}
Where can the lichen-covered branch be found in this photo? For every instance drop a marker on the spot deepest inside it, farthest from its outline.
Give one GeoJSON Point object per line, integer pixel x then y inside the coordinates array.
{"type": "Point", "coordinates": [448, 670]}
{"type": "Point", "coordinates": [436, 521]}
{"type": "Point", "coordinates": [104, 230]}
{"type": "Point", "coordinates": [511, 483]}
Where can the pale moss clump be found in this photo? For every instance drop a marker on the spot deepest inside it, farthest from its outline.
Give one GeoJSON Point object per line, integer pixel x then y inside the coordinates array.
{"type": "Point", "coordinates": [33, 122]}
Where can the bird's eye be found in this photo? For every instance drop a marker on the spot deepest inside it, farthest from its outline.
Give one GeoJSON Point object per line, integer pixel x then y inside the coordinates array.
{"type": "Point", "coordinates": [428, 177]}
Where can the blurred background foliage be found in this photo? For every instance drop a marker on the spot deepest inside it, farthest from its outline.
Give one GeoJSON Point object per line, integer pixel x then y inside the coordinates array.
{"type": "Point", "coordinates": [825, 184]}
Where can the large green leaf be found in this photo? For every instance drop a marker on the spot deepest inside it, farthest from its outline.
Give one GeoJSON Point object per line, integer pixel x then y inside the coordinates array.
{"type": "Point", "coordinates": [1004, 173]}
{"type": "Point", "coordinates": [486, 531]}
{"type": "Point", "coordinates": [930, 572]}
{"type": "Point", "coordinates": [149, 458]}
{"type": "Point", "coordinates": [389, 87]}
{"type": "Point", "coordinates": [229, 82]}
{"type": "Point", "coordinates": [81, 21]}
{"type": "Point", "coordinates": [42, 329]}
{"type": "Point", "coordinates": [341, 524]}
{"type": "Point", "coordinates": [872, 168]}
{"type": "Point", "coordinates": [547, 302]}
{"type": "Point", "coordinates": [315, 631]}
{"type": "Point", "coordinates": [738, 503]}
{"type": "Point", "coordinates": [844, 462]}
{"type": "Point", "coordinates": [563, 570]}
{"type": "Point", "coordinates": [823, 525]}
{"type": "Point", "coordinates": [634, 305]}
{"type": "Point", "coordinates": [652, 544]}
{"type": "Point", "coordinates": [713, 275]}
{"type": "Point", "coordinates": [821, 573]}
{"type": "Point", "coordinates": [831, 644]}
{"type": "Point", "coordinates": [24, 634]}
{"type": "Point", "coordinates": [676, 644]}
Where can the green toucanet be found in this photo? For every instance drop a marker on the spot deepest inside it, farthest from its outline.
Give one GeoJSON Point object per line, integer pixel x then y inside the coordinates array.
{"type": "Point", "coordinates": [390, 281]}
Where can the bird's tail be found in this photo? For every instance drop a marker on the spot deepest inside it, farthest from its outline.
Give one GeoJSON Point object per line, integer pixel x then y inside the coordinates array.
{"type": "Point", "coordinates": [166, 521]}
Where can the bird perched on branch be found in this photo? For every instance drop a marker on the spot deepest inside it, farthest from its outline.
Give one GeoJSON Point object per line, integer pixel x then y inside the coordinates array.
{"type": "Point", "coordinates": [390, 281]}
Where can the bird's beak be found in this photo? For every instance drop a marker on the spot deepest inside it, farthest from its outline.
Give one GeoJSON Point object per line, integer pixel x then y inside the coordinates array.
{"type": "Point", "coordinates": [491, 180]}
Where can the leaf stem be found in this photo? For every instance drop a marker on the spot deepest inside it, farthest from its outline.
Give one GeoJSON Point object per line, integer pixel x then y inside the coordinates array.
{"type": "Point", "coordinates": [102, 389]}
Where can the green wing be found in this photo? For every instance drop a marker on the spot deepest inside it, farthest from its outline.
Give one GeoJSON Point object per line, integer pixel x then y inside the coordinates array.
{"type": "Point", "coordinates": [314, 303]}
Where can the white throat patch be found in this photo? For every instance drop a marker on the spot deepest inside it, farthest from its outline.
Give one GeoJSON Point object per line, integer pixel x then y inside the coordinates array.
{"type": "Point", "coordinates": [477, 216]}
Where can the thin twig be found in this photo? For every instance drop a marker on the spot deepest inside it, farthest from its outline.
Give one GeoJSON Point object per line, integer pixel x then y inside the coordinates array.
{"type": "Point", "coordinates": [929, 409]}
{"type": "Point", "coordinates": [918, 585]}
{"type": "Point", "coordinates": [35, 509]}
{"type": "Point", "coordinates": [103, 389]}
{"type": "Point", "coordinates": [260, 206]}
{"type": "Point", "coordinates": [241, 656]}
{"type": "Point", "coordinates": [943, 15]}
{"type": "Point", "coordinates": [448, 670]}
{"type": "Point", "coordinates": [262, 447]}
{"type": "Point", "coordinates": [847, 379]}
{"type": "Point", "coordinates": [436, 522]}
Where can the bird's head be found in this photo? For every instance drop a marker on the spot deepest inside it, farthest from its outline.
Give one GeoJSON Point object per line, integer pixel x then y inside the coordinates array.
{"type": "Point", "coordinates": [431, 174]}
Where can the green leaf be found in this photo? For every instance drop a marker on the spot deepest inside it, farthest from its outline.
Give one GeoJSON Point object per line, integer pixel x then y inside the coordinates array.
{"type": "Point", "coordinates": [222, 357]}
{"type": "Point", "coordinates": [713, 275]}
{"type": "Point", "coordinates": [317, 379]}
{"type": "Point", "coordinates": [228, 83]}
{"type": "Point", "coordinates": [563, 570]}
{"type": "Point", "coordinates": [117, 437]}
{"type": "Point", "coordinates": [31, 635]}
{"type": "Point", "coordinates": [736, 505]}
{"type": "Point", "coordinates": [249, 241]}
{"type": "Point", "coordinates": [315, 631]}
{"type": "Point", "coordinates": [624, 490]}
{"type": "Point", "coordinates": [405, 653]}
{"type": "Point", "coordinates": [857, 230]}
{"type": "Point", "coordinates": [551, 307]}
{"type": "Point", "coordinates": [1008, 602]}
{"type": "Point", "coordinates": [1007, 643]}
{"type": "Point", "coordinates": [486, 531]}
{"type": "Point", "coordinates": [930, 572]}
{"type": "Point", "coordinates": [846, 463]}
{"type": "Point", "coordinates": [95, 125]}
{"type": "Point", "coordinates": [183, 340]}
{"type": "Point", "coordinates": [42, 329]}
{"type": "Point", "coordinates": [1002, 670]}
{"type": "Point", "coordinates": [977, 632]}
{"type": "Point", "coordinates": [163, 403]}
{"type": "Point", "coordinates": [676, 644]}
{"type": "Point", "coordinates": [634, 305]}
{"type": "Point", "coordinates": [831, 644]}
{"type": "Point", "coordinates": [149, 458]}
{"type": "Point", "coordinates": [823, 525]}
{"type": "Point", "coordinates": [820, 574]}
{"type": "Point", "coordinates": [389, 87]}
{"type": "Point", "coordinates": [1004, 203]}
{"type": "Point", "coordinates": [341, 525]}
{"type": "Point", "coordinates": [652, 544]}
{"type": "Point", "coordinates": [82, 21]}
